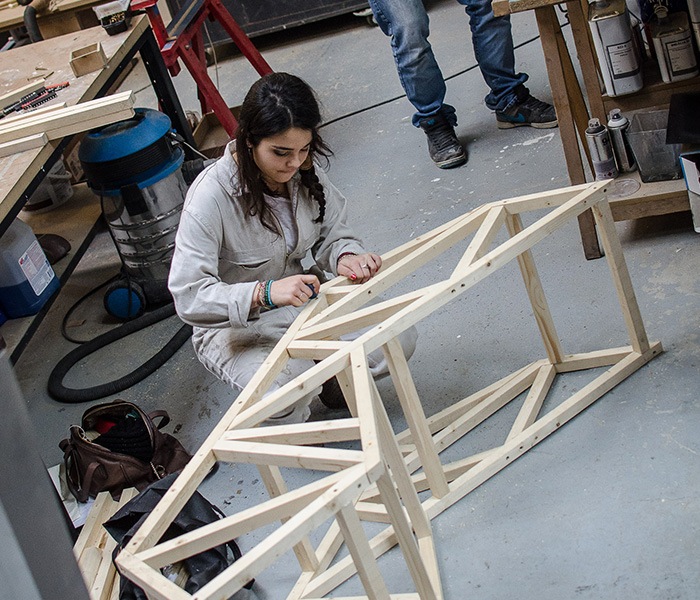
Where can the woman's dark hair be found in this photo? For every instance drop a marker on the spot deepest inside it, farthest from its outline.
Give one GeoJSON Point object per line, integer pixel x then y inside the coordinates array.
{"type": "Point", "coordinates": [274, 104]}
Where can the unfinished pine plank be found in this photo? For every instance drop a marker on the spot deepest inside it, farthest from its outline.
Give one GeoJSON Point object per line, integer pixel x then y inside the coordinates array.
{"type": "Point", "coordinates": [281, 455]}
{"type": "Point", "coordinates": [366, 564]}
{"type": "Point", "coordinates": [277, 488]}
{"type": "Point", "coordinates": [74, 119]}
{"type": "Point", "coordinates": [533, 403]}
{"type": "Point", "coordinates": [266, 553]}
{"type": "Point", "coordinates": [92, 532]}
{"type": "Point", "coordinates": [460, 427]}
{"type": "Point", "coordinates": [592, 360]}
{"type": "Point", "coordinates": [230, 527]}
{"type": "Point", "coordinates": [14, 117]}
{"type": "Point", "coordinates": [359, 380]}
{"type": "Point", "coordinates": [17, 94]}
{"type": "Point", "coordinates": [199, 465]}
{"type": "Point", "coordinates": [535, 293]}
{"type": "Point", "coordinates": [314, 349]}
{"type": "Point", "coordinates": [391, 273]}
{"type": "Point", "coordinates": [30, 142]}
{"type": "Point", "coordinates": [417, 423]}
{"type": "Point", "coordinates": [316, 432]}
{"type": "Point", "coordinates": [483, 238]}
{"type": "Point", "coordinates": [621, 277]}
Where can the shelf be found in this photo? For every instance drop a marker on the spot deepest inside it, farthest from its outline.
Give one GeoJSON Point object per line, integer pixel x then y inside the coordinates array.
{"type": "Point", "coordinates": [76, 221]}
{"type": "Point", "coordinates": [654, 93]}
{"type": "Point", "coordinates": [652, 199]}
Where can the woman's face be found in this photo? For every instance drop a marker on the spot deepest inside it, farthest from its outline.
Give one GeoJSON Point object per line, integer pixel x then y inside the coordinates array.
{"type": "Point", "coordinates": [279, 157]}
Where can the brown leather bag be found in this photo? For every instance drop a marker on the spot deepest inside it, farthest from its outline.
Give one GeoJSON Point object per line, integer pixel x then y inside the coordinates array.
{"type": "Point", "coordinates": [118, 446]}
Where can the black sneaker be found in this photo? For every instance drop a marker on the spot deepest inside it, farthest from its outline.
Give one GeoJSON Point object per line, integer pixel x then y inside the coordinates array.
{"type": "Point", "coordinates": [443, 145]}
{"type": "Point", "coordinates": [528, 112]}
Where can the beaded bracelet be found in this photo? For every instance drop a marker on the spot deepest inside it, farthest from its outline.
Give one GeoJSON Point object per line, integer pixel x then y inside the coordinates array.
{"type": "Point", "coordinates": [268, 296]}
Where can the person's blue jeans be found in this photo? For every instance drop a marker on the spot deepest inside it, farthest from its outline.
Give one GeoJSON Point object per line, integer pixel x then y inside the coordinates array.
{"type": "Point", "coordinates": [407, 24]}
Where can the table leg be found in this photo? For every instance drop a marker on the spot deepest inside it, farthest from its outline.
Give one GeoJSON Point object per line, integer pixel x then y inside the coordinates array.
{"type": "Point", "coordinates": [572, 113]}
{"type": "Point", "coordinates": [164, 89]}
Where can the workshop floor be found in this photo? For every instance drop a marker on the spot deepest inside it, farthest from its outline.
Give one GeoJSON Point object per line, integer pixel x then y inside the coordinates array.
{"type": "Point", "coordinates": [605, 508]}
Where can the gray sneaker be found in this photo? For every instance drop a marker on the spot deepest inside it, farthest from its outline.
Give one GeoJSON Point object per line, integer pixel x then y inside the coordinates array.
{"type": "Point", "coordinates": [443, 145]}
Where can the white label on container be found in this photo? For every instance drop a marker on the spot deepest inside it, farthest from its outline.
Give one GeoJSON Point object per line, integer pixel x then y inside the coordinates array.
{"type": "Point", "coordinates": [36, 268]}
{"type": "Point", "coordinates": [623, 60]}
{"type": "Point", "coordinates": [680, 55]}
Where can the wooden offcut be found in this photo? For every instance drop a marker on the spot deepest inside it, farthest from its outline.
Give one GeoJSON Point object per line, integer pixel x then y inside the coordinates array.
{"type": "Point", "coordinates": [71, 120]}
{"type": "Point", "coordinates": [87, 59]}
{"type": "Point", "coordinates": [94, 547]}
{"type": "Point", "coordinates": [378, 475]}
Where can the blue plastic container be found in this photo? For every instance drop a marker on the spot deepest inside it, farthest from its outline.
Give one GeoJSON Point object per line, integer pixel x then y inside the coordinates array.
{"type": "Point", "coordinates": [27, 280]}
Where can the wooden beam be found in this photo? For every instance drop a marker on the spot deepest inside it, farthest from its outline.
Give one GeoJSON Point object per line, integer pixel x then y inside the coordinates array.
{"type": "Point", "coordinates": [74, 119]}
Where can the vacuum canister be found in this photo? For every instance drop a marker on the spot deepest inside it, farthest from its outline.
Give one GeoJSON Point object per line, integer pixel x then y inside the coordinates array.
{"type": "Point", "coordinates": [135, 167]}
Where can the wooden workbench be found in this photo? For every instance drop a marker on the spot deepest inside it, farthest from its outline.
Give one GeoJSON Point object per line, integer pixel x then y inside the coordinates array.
{"type": "Point", "coordinates": [21, 173]}
{"type": "Point", "coordinates": [66, 16]}
{"type": "Point", "coordinates": [573, 113]}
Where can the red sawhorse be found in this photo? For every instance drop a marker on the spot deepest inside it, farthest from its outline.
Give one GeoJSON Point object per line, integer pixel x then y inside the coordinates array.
{"type": "Point", "coordinates": [182, 39]}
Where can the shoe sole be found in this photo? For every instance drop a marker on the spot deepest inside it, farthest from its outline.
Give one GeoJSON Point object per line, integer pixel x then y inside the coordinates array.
{"type": "Point", "coordinates": [509, 125]}
{"type": "Point", "coordinates": [455, 161]}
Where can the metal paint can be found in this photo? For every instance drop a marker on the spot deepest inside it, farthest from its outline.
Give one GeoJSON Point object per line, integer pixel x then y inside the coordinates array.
{"type": "Point", "coordinates": [602, 155]}
{"type": "Point", "coordinates": [616, 46]}
{"type": "Point", "coordinates": [618, 125]}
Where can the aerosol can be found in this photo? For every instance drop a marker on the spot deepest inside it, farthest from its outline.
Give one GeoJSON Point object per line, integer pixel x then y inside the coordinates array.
{"type": "Point", "coordinates": [616, 46]}
{"type": "Point", "coordinates": [618, 125]}
{"type": "Point", "coordinates": [694, 12]}
{"type": "Point", "coordinates": [601, 151]}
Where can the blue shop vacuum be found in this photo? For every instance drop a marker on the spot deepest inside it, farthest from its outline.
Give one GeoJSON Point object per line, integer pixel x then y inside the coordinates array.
{"type": "Point", "coordinates": [137, 168]}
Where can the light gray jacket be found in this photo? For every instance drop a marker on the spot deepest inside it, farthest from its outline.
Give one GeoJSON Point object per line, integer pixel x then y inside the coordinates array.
{"type": "Point", "coordinates": [221, 252]}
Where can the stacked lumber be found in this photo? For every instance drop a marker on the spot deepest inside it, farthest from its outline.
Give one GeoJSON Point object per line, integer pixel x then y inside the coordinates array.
{"type": "Point", "coordinates": [33, 130]}
{"type": "Point", "coordinates": [94, 547]}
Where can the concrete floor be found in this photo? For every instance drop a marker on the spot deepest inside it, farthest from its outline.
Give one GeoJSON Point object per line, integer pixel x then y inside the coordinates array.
{"type": "Point", "coordinates": [605, 508]}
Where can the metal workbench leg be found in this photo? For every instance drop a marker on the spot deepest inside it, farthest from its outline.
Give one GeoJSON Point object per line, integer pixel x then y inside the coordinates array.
{"type": "Point", "coordinates": [163, 86]}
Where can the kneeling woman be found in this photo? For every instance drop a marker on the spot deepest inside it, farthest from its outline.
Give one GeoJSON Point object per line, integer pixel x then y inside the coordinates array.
{"type": "Point", "coordinates": [248, 222]}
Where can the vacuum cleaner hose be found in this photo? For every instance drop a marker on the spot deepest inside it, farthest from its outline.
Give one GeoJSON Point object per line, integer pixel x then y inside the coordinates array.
{"type": "Point", "coordinates": [64, 394]}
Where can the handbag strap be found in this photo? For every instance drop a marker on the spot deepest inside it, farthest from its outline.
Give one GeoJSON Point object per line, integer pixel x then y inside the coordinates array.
{"type": "Point", "coordinates": [163, 415]}
{"type": "Point", "coordinates": [81, 492]}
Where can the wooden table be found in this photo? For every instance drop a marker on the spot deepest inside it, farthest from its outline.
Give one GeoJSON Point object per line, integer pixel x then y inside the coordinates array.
{"type": "Point", "coordinates": [573, 113]}
{"type": "Point", "coordinates": [68, 15]}
{"type": "Point", "coordinates": [21, 173]}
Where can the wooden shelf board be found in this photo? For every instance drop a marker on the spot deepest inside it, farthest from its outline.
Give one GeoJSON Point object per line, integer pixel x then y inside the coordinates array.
{"type": "Point", "coordinates": [657, 198]}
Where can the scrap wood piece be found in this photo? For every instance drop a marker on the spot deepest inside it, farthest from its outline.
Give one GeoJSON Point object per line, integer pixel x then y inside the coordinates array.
{"type": "Point", "coordinates": [94, 546]}
{"type": "Point", "coordinates": [74, 119]}
{"type": "Point", "coordinates": [30, 142]}
{"type": "Point", "coordinates": [18, 93]}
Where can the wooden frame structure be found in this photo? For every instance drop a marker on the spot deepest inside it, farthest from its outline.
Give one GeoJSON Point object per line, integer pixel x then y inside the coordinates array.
{"type": "Point", "coordinates": [378, 476]}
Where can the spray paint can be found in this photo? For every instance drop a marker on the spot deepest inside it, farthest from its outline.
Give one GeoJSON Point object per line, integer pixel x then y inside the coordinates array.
{"type": "Point", "coordinates": [600, 146]}
{"type": "Point", "coordinates": [618, 125]}
{"type": "Point", "coordinates": [616, 46]}
{"type": "Point", "coordinates": [694, 12]}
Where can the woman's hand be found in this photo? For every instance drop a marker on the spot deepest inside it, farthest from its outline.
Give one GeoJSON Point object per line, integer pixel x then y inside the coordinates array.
{"type": "Point", "coordinates": [359, 268]}
{"type": "Point", "coordinates": [295, 290]}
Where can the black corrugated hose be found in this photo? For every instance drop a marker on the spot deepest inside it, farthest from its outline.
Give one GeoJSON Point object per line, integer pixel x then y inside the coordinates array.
{"type": "Point", "coordinates": [62, 393]}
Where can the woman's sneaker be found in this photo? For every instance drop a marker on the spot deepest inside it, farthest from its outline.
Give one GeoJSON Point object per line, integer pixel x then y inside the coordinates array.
{"type": "Point", "coordinates": [528, 112]}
